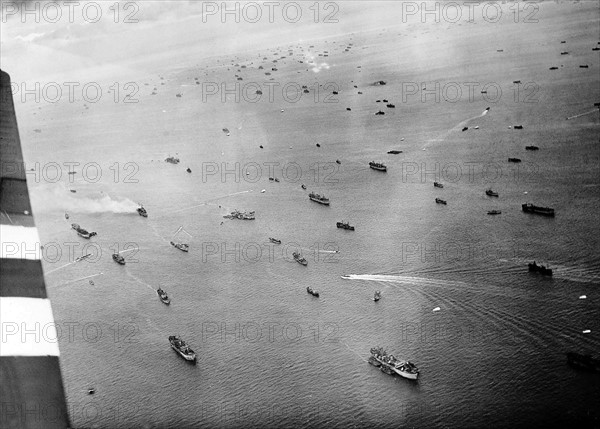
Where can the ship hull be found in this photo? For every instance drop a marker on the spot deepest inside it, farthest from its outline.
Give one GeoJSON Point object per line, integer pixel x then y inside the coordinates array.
{"type": "Point", "coordinates": [393, 370]}
{"type": "Point", "coordinates": [189, 358]}
{"type": "Point", "coordinates": [325, 203]}
{"type": "Point", "coordinates": [538, 210]}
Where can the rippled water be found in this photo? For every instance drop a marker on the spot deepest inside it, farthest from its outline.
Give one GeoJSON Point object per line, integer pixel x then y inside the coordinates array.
{"type": "Point", "coordinates": [269, 354]}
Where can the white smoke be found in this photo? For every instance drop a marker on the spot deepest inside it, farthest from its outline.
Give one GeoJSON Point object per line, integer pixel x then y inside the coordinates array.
{"type": "Point", "coordinates": [58, 197]}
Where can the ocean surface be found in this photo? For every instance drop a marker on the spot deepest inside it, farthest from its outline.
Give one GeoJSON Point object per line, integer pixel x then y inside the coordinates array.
{"type": "Point", "coordinates": [271, 355]}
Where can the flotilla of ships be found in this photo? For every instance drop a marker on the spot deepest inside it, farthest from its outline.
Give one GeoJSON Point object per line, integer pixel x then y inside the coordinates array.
{"type": "Point", "coordinates": [379, 357]}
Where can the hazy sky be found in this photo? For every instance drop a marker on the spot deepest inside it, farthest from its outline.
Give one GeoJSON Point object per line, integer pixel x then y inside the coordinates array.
{"type": "Point", "coordinates": [40, 40]}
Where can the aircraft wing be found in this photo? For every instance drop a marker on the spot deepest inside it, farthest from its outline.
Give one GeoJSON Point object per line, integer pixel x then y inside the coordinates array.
{"type": "Point", "coordinates": [31, 387]}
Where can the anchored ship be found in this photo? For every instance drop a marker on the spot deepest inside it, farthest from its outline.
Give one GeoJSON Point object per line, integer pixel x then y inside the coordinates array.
{"type": "Point", "coordinates": [298, 258]}
{"type": "Point", "coordinates": [82, 232]}
{"type": "Point", "coordinates": [312, 291]}
{"type": "Point", "coordinates": [514, 160]}
{"type": "Point", "coordinates": [438, 185]}
{"type": "Point", "coordinates": [532, 148]}
{"type": "Point", "coordinates": [163, 296]}
{"type": "Point", "coordinates": [491, 193]}
{"type": "Point", "coordinates": [377, 166]}
{"type": "Point", "coordinates": [118, 259]}
{"type": "Point", "coordinates": [182, 348]}
{"type": "Point", "coordinates": [440, 201]}
{"type": "Point", "coordinates": [172, 160]}
{"type": "Point", "coordinates": [390, 365]}
{"type": "Point", "coordinates": [494, 212]}
{"type": "Point", "coordinates": [345, 225]}
{"type": "Point", "coordinates": [236, 214]}
{"type": "Point", "coordinates": [544, 211]}
{"type": "Point", "coordinates": [533, 267]}
{"type": "Point", "coordinates": [321, 199]}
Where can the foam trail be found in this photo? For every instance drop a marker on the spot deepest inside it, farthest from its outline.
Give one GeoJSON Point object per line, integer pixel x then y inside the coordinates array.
{"type": "Point", "coordinates": [457, 127]}
{"type": "Point", "coordinates": [212, 199]}
{"type": "Point", "coordinates": [356, 353]}
{"type": "Point", "coordinates": [403, 279]}
{"type": "Point", "coordinates": [582, 114]}
{"type": "Point", "coordinates": [140, 281]}
{"type": "Point", "coordinates": [82, 278]}
{"type": "Point", "coordinates": [56, 269]}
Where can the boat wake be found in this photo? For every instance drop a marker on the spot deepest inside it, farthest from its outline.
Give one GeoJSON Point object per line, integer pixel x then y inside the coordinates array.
{"type": "Point", "coordinates": [356, 353]}
{"type": "Point", "coordinates": [204, 203]}
{"type": "Point", "coordinates": [582, 114]}
{"type": "Point", "coordinates": [410, 280]}
{"type": "Point", "coordinates": [138, 280]}
{"type": "Point", "coordinates": [456, 128]}
{"type": "Point", "coordinates": [82, 278]}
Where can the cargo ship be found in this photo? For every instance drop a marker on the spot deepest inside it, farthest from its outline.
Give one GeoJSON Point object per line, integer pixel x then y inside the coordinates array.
{"type": "Point", "coordinates": [321, 199]}
{"type": "Point", "coordinates": [182, 348]}
{"type": "Point", "coordinates": [535, 268]}
{"type": "Point", "coordinates": [531, 208]}
{"type": "Point", "coordinates": [390, 365]}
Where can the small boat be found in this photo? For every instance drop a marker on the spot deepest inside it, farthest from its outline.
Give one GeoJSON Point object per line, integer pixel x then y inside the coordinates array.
{"type": "Point", "coordinates": [321, 199]}
{"type": "Point", "coordinates": [438, 185]}
{"type": "Point", "coordinates": [274, 240]}
{"type": "Point", "coordinates": [533, 267]}
{"type": "Point", "coordinates": [345, 225]}
{"type": "Point", "coordinates": [394, 152]}
{"type": "Point", "coordinates": [92, 282]}
{"type": "Point", "coordinates": [532, 148]}
{"type": "Point", "coordinates": [189, 170]}
{"type": "Point", "coordinates": [91, 391]}
{"type": "Point", "coordinates": [518, 127]}
{"type": "Point", "coordinates": [298, 258]}
{"type": "Point", "coordinates": [72, 172]}
{"type": "Point", "coordinates": [163, 296]}
{"type": "Point", "coordinates": [494, 212]}
{"type": "Point", "coordinates": [182, 348]}
{"type": "Point", "coordinates": [118, 259]}
{"type": "Point", "coordinates": [377, 296]}
{"type": "Point", "coordinates": [66, 215]}
{"type": "Point", "coordinates": [514, 160]}
{"type": "Point", "coordinates": [73, 190]}
{"type": "Point", "coordinates": [172, 160]}
{"type": "Point", "coordinates": [312, 291]}
{"type": "Point", "coordinates": [142, 211]}
{"type": "Point", "coordinates": [491, 193]}
{"type": "Point", "coordinates": [440, 201]}
{"type": "Point", "coordinates": [81, 258]}
{"type": "Point", "coordinates": [465, 128]}
{"type": "Point", "coordinates": [181, 246]}
{"type": "Point", "coordinates": [303, 186]}
{"type": "Point", "coordinates": [337, 161]}
{"type": "Point", "coordinates": [276, 179]}
{"type": "Point", "coordinates": [377, 166]}
{"type": "Point", "coordinates": [390, 365]}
